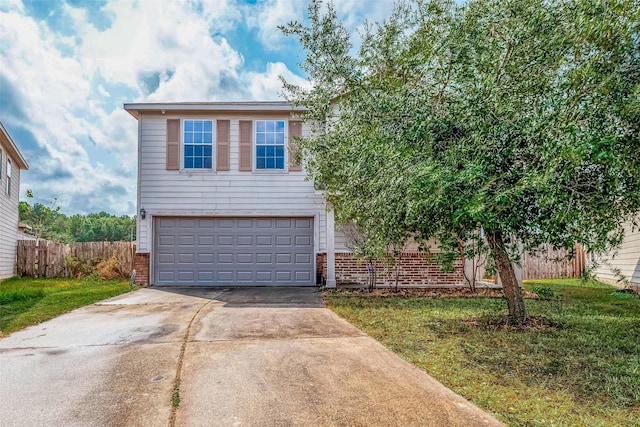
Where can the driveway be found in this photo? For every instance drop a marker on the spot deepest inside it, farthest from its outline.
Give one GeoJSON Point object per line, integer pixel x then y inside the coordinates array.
{"type": "Point", "coordinates": [232, 357]}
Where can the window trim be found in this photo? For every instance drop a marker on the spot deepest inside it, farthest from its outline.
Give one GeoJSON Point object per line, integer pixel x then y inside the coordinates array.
{"type": "Point", "coordinates": [254, 153]}
{"type": "Point", "coordinates": [214, 131]}
{"type": "Point", "coordinates": [8, 174]}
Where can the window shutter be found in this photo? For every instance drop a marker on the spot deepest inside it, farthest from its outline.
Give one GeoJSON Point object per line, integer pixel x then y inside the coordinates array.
{"type": "Point", "coordinates": [295, 130]}
{"type": "Point", "coordinates": [246, 129]}
{"type": "Point", "coordinates": [173, 144]}
{"type": "Point", "coordinates": [222, 145]}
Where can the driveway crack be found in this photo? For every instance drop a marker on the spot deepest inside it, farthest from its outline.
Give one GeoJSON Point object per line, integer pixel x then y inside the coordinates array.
{"type": "Point", "coordinates": [175, 395]}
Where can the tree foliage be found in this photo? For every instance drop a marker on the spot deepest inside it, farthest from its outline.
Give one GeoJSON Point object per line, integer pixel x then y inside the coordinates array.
{"type": "Point", "coordinates": [47, 222]}
{"type": "Point", "coordinates": [496, 125]}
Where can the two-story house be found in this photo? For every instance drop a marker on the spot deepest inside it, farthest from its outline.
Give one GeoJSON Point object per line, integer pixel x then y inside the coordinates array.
{"type": "Point", "coordinates": [11, 163]}
{"type": "Point", "coordinates": [221, 201]}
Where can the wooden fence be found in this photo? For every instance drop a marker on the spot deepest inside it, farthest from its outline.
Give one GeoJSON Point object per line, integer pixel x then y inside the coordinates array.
{"type": "Point", "coordinates": [43, 258]}
{"type": "Point", "coordinates": [552, 264]}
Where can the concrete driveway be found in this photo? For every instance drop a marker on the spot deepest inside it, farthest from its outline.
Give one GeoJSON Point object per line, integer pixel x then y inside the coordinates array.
{"type": "Point", "coordinates": [235, 357]}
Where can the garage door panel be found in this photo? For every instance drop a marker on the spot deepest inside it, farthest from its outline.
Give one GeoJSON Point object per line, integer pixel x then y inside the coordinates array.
{"type": "Point", "coordinates": [283, 223]}
{"type": "Point", "coordinates": [224, 276]}
{"type": "Point", "coordinates": [283, 276]}
{"type": "Point", "coordinates": [205, 276]}
{"type": "Point", "coordinates": [225, 258]}
{"type": "Point", "coordinates": [225, 240]}
{"type": "Point", "coordinates": [207, 223]}
{"type": "Point", "coordinates": [244, 240]}
{"type": "Point", "coordinates": [186, 240]}
{"type": "Point", "coordinates": [166, 258]}
{"type": "Point", "coordinates": [227, 251]}
{"type": "Point", "coordinates": [225, 223]}
{"type": "Point", "coordinates": [262, 258]}
{"type": "Point", "coordinates": [303, 258]}
{"type": "Point", "coordinates": [304, 241]}
{"type": "Point", "coordinates": [264, 276]}
{"type": "Point", "coordinates": [303, 223]}
{"type": "Point", "coordinates": [283, 241]}
{"type": "Point", "coordinates": [186, 258]}
{"type": "Point", "coordinates": [205, 258]}
{"type": "Point", "coordinates": [302, 276]}
{"type": "Point", "coordinates": [187, 223]}
{"type": "Point", "coordinates": [244, 276]}
{"type": "Point", "coordinates": [166, 240]}
{"type": "Point", "coordinates": [283, 259]}
{"type": "Point", "coordinates": [264, 240]}
{"type": "Point", "coordinates": [245, 258]}
{"type": "Point", "coordinates": [204, 240]}
{"type": "Point", "coordinates": [186, 276]}
{"type": "Point", "coordinates": [264, 223]}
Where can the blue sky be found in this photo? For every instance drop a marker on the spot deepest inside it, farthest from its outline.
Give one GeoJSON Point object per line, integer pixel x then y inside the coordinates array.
{"type": "Point", "coordinates": [67, 68]}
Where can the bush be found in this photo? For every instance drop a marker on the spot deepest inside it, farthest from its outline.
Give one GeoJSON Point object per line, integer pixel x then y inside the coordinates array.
{"type": "Point", "coordinates": [80, 267]}
{"type": "Point", "coordinates": [111, 269]}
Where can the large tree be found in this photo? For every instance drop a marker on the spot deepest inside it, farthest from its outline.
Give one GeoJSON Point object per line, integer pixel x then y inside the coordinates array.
{"type": "Point", "coordinates": [507, 122]}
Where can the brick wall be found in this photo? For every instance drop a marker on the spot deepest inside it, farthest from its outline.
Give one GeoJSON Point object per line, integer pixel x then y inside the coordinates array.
{"type": "Point", "coordinates": [141, 265]}
{"type": "Point", "coordinates": [414, 270]}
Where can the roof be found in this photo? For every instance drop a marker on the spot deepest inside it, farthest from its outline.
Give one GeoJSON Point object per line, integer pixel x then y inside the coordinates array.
{"type": "Point", "coordinates": [248, 106]}
{"type": "Point", "coordinates": [13, 150]}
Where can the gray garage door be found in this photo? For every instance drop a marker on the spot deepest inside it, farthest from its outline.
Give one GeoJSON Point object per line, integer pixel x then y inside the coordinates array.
{"type": "Point", "coordinates": [234, 251]}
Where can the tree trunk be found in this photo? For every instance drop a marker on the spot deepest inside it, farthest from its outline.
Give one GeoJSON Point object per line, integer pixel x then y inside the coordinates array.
{"type": "Point", "coordinates": [512, 291]}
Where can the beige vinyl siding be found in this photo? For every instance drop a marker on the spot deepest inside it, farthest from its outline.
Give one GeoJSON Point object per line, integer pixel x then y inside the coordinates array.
{"type": "Point", "coordinates": [219, 193]}
{"type": "Point", "coordinates": [626, 258]}
{"type": "Point", "coordinates": [8, 217]}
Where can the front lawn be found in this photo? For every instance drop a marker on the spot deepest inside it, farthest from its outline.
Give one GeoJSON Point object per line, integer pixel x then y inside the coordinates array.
{"type": "Point", "coordinates": [27, 301]}
{"type": "Point", "coordinates": [581, 370]}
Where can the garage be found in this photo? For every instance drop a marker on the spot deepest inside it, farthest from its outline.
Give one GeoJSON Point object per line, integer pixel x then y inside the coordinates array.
{"type": "Point", "coordinates": [233, 251]}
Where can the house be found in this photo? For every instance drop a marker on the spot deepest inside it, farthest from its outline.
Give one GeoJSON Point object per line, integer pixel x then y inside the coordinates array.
{"type": "Point", "coordinates": [221, 201]}
{"type": "Point", "coordinates": [11, 163]}
{"type": "Point", "coordinates": [625, 261]}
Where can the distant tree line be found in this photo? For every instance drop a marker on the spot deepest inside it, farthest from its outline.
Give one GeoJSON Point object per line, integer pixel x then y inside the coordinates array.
{"type": "Point", "coordinates": [47, 222]}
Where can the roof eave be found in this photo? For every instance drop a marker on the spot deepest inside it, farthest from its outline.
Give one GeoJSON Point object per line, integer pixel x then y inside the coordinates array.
{"type": "Point", "coordinates": [136, 108]}
{"type": "Point", "coordinates": [14, 151]}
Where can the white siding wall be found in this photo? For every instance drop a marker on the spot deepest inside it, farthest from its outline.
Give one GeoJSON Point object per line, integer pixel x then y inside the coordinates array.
{"type": "Point", "coordinates": [224, 193]}
{"type": "Point", "coordinates": [8, 217]}
{"type": "Point", "coordinates": [627, 259]}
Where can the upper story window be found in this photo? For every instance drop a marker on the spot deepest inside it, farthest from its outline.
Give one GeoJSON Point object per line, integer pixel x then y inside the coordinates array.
{"type": "Point", "coordinates": [8, 177]}
{"type": "Point", "coordinates": [197, 141]}
{"type": "Point", "coordinates": [270, 144]}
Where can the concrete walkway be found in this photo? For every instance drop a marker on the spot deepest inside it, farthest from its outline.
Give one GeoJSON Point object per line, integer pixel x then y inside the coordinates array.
{"type": "Point", "coordinates": [239, 357]}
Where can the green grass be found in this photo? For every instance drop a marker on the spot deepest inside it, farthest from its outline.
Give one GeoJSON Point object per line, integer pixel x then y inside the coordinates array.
{"type": "Point", "coordinates": [584, 372]}
{"type": "Point", "coordinates": [27, 301]}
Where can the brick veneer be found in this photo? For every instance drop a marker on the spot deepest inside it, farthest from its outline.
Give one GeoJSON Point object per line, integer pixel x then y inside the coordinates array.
{"type": "Point", "coordinates": [141, 265]}
{"type": "Point", "coordinates": [414, 270]}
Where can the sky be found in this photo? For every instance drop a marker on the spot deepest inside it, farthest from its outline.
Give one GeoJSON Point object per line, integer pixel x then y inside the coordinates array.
{"type": "Point", "coordinates": [68, 66]}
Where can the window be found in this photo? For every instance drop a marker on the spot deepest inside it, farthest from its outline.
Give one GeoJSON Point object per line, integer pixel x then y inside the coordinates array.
{"type": "Point", "coordinates": [269, 144]}
{"type": "Point", "coordinates": [8, 177]}
{"type": "Point", "coordinates": [197, 140]}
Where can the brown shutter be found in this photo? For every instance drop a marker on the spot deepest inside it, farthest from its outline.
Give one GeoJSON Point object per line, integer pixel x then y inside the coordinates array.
{"type": "Point", "coordinates": [222, 145]}
{"type": "Point", "coordinates": [246, 129]}
{"type": "Point", "coordinates": [295, 130]}
{"type": "Point", "coordinates": [173, 144]}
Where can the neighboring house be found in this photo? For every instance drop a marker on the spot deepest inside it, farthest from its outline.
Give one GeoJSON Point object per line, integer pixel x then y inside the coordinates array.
{"type": "Point", "coordinates": [625, 261]}
{"type": "Point", "coordinates": [11, 163]}
{"type": "Point", "coordinates": [221, 202]}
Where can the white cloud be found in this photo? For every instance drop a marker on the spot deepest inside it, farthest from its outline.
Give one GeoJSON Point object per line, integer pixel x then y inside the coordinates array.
{"type": "Point", "coordinates": [267, 85]}
{"type": "Point", "coordinates": [267, 15]}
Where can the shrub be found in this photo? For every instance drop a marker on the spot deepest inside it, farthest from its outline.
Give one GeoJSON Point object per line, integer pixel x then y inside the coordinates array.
{"type": "Point", "coordinates": [111, 269]}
